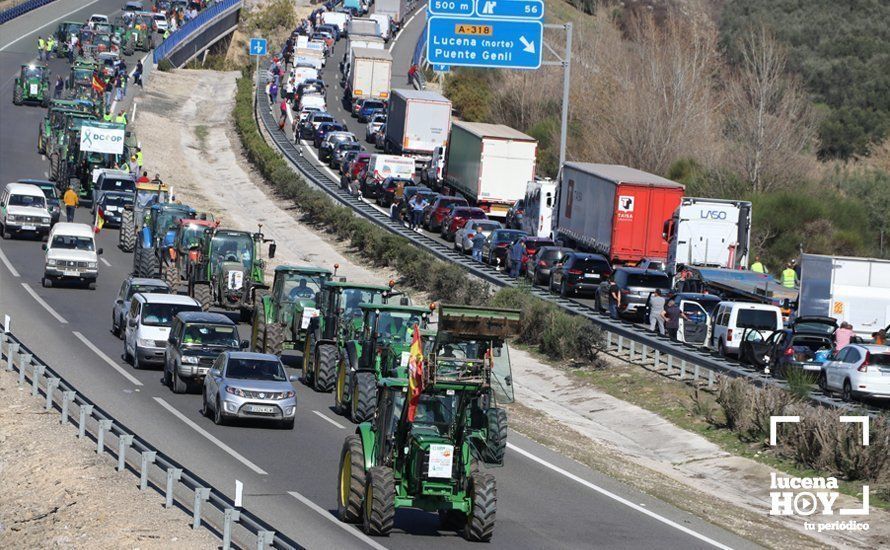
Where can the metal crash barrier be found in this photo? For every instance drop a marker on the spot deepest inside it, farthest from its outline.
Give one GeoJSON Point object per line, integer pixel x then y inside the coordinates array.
{"type": "Point", "coordinates": [206, 29]}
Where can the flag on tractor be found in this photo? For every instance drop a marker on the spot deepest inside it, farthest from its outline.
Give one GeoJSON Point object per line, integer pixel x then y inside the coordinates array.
{"type": "Point", "coordinates": [98, 85]}
{"type": "Point", "coordinates": [415, 373]}
{"type": "Point", "coordinates": [100, 220]}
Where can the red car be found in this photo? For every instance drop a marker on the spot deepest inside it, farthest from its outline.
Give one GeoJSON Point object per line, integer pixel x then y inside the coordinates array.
{"type": "Point", "coordinates": [458, 217]}
{"type": "Point", "coordinates": [435, 213]}
{"type": "Point", "coordinates": [531, 246]}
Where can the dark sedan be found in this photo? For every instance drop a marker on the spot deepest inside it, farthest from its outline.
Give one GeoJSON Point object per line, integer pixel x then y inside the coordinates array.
{"type": "Point", "coordinates": [496, 249]}
{"type": "Point", "coordinates": [331, 141]}
{"type": "Point", "coordinates": [539, 266]}
{"type": "Point", "coordinates": [579, 273]}
{"type": "Point", "coordinates": [530, 248]}
{"type": "Point", "coordinates": [388, 189]}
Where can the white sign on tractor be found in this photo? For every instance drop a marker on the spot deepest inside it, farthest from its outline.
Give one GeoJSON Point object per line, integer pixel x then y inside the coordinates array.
{"type": "Point", "coordinates": [102, 140]}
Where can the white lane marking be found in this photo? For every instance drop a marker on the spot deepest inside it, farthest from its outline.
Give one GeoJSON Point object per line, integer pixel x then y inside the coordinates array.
{"type": "Point", "coordinates": [104, 261]}
{"type": "Point", "coordinates": [232, 452]}
{"type": "Point", "coordinates": [82, 6]}
{"type": "Point", "coordinates": [334, 422]}
{"type": "Point", "coordinates": [405, 26]}
{"type": "Point", "coordinates": [8, 264]}
{"type": "Point", "coordinates": [346, 527]}
{"type": "Point", "coordinates": [123, 372]}
{"type": "Point", "coordinates": [617, 498]}
{"type": "Point", "coordinates": [46, 306]}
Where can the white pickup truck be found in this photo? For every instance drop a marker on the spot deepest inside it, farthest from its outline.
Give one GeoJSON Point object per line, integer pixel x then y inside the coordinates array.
{"type": "Point", "coordinates": [71, 255]}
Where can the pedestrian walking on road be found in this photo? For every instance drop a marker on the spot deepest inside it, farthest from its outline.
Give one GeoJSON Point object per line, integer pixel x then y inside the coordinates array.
{"type": "Point", "coordinates": [273, 92]}
{"type": "Point", "coordinates": [60, 85]}
{"type": "Point", "coordinates": [394, 210]}
{"type": "Point", "coordinates": [614, 299]}
{"type": "Point", "coordinates": [133, 166]}
{"type": "Point", "coordinates": [282, 120]}
{"type": "Point", "coordinates": [478, 244]}
{"type": "Point", "coordinates": [137, 74]}
{"type": "Point", "coordinates": [50, 46]}
{"type": "Point", "coordinates": [70, 199]}
{"type": "Point", "coordinates": [789, 276]}
{"type": "Point", "coordinates": [672, 315]}
{"type": "Point", "coordinates": [757, 266]}
{"type": "Point", "coordinates": [41, 48]}
{"type": "Point", "coordinates": [656, 310]}
{"type": "Point", "coordinates": [516, 252]}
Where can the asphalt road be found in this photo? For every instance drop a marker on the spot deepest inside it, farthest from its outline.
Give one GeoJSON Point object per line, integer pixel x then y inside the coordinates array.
{"type": "Point", "coordinates": [545, 500]}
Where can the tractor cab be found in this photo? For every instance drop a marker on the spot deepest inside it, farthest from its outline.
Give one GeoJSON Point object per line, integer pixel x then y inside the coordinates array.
{"type": "Point", "coordinates": [291, 306]}
{"type": "Point", "coordinates": [159, 222]}
{"type": "Point", "coordinates": [184, 247]}
{"type": "Point", "coordinates": [32, 85]}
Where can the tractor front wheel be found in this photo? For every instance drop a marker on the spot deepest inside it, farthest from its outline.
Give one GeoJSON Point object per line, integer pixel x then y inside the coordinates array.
{"type": "Point", "coordinates": [484, 499]}
{"type": "Point", "coordinates": [127, 237]}
{"type": "Point", "coordinates": [325, 368]}
{"type": "Point", "coordinates": [380, 496]}
{"type": "Point", "coordinates": [274, 338]}
{"type": "Point", "coordinates": [17, 94]}
{"type": "Point", "coordinates": [170, 274]}
{"type": "Point", "coordinates": [364, 397]}
{"type": "Point", "coordinates": [147, 264]}
{"type": "Point", "coordinates": [496, 447]}
{"type": "Point", "coordinates": [309, 360]}
{"type": "Point", "coordinates": [351, 480]}
{"type": "Point", "coordinates": [340, 389]}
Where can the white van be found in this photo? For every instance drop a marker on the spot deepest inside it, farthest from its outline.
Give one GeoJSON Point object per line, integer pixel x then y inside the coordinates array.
{"type": "Point", "coordinates": [71, 255]}
{"type": "Point", "coordinates": [338, 19]}
{"type": "Point", "coordinates": [312, 100]}
{"type": "Point", "coordinates": [732, 318]}
{"type": "Point", "coordinates": [383, 25]}
{"type": "Point", "coordinates": [23, 209]}
{"type": "Point", "coordinates": [148, 326]}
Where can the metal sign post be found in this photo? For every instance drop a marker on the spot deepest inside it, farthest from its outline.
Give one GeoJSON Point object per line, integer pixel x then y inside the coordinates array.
{"type": "Point", "coordinates": [258, 49]}
{"type": "Point", "coordinates": [566, 63]}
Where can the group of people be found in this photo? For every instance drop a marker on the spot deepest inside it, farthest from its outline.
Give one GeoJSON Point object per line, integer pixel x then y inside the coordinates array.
{"type": "Point", "coordinates": [790, 276]}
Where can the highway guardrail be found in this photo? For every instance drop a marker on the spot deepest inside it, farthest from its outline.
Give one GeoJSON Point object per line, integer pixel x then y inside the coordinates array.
{"type": "Point", "coordinates": [205, 19]}
{"type": "Point", "coordinates": [21, 9]}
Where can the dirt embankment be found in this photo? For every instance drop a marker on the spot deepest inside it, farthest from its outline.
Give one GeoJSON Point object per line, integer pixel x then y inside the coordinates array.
{"type": "Point", "coordinates": [56, 492]}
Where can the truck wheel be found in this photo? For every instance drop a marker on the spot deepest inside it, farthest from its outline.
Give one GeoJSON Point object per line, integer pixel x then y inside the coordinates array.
{"type": "Point", "coordinates": [17, 94]}
{"type": "Point", "coordinates": [340, 388]}
{"type": "Point", "coordinates": [258, 332]}
{"type": "Point", "coordinates": [127, 237]}
{"type": "Point", "coordinates": [484, 497]}
{"type": "Point", "coordinates": [493, 452]}
{"type": "Point", "coordinates": [351, 480]}
{"type": "Point", "coordinates": [364, 397]}
{"type": "Point", "coordinates": [274, 338]}
{"type": "Point", "coordinates": [170, 274]}
{"type": "Point", "coordinates": [179, 385]}
{"type": "Point", "coordinates": [380, 502]}
{"type": "Point", "coordinates": [325, 368]}
{"type": "Point", "coordinates": [203, 295]}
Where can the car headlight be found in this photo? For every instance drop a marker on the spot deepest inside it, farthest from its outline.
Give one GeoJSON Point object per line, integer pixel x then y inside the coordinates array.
{"type": "Point", "coordinates": [235, 391]}
{"type": "Point", "coordinates": [51, 263]}
{"type": "Point", "coordinates": [190, 359]}
{"type": "Point", "coordinates": [92, 265]}
{"type": "Point", "coordinates": [11, 218]}
{"type": "Point", "coordinates": [144, 343]}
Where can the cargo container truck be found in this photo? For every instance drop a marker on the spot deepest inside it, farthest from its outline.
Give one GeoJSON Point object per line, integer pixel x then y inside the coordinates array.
{"type": "Point", "coordinates": [369, 74]}
{"type": "Point", "coordinates": [709, 233]}
{"type": "Point", "coordinates": [416, 123]}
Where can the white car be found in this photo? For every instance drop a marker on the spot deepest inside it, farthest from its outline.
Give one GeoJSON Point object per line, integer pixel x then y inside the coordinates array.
{"type": "Point", "coordinates": [71, 255]}
{"type": "Point", "coordinates": [161, 24]}
{"type": "Point", "coordinates": [23, 210]}
{"type": "Point", "coordinates": [373, 125]}
{"type": "Point", "coordinates": [858, 371]}
{"type": "Point", "coordinates": [148, 326]}
{"type": "Point", "coordinates": [98, 18]}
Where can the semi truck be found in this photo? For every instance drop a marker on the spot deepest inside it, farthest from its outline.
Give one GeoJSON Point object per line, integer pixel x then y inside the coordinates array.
{"type": "Point", "coordinates": [855, 290]}
{"type": "Point", "coordinates": [709, 233]}
{"type": "Point", "coordinates": [615, 210]}
{"type": "Point", "coordinates": [416, 123]}
{"type": "Point", "coordinates": [489, 164]}
{"type": "Point", "coordinates": [369, 74]}
{"type": "Point", "coordinates": [539, 203]}
{"type": "Point", "coordinates": [395, 9]}
{"type": "Point", "coordinates": [363, 27]}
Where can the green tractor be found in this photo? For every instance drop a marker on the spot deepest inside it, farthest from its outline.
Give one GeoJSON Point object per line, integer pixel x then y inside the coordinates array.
{"type": "Point", "coordinates": [80, 82]}
{"type": "Point", "coordinates": [427, 456]}
{"type": "Point", "coordinates": [136, 38]}
{"type": "Point", "coordinates": [340, 319]}
{"type": "Point", "coordinates": [68, 161]}
{"type": "Point", "coordinates": [32, 85]}
{"type": "Point", "coordinates": [63, 34]}
{"type": "Point", "coordinates": [55, 121]}
{"type": "Point", "coordinates": [281, 320]}
{"type": "Point", "coordinates": [380, 350]}
{"type": "Point", "coordinates": [156, 235]}
{"type": "Point", "coordinates": [229, 271]}
{"type": "Point", "coordinates": [180, 256]}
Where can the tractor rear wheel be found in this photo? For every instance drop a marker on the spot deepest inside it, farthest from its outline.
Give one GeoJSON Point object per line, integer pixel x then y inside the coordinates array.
{"type": "Point", "coordinates": [147, 264]}
{"type": "Point", "coordinates": [309, 360]}
{"type": "Point", "coordinates": [484, 498]}
{"type": "Point", "coordinates": [493, 453]}
{"type": "Point", "coordinates": [364, 397]}
{"type": "Point", "coordinates": [203, 295]}
{"type": "Point", "coordinates": [258, 332]}
{"type": "Point", "coordinates": [127, 237]}
{"type": "Point", "coordinates": [274, 338]}
{"type": "Point", "coordinates": [170, 274]}
{"type": "Point", "coordinates": [351, 480]}
{"type": "Point", "coordinates": [340, 388]}
{"type": "Point", "coordinates": [325, 368]}
{"type": "Point", "coordinates": [54, 168]}
{"type": "Point", "coordinates": [380, 502]}
{"type": "Point", "coordinates": [17, 95]}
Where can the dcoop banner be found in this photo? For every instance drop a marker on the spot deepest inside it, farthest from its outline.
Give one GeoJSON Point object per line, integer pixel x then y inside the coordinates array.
{"type": "Point", "coordinates": [102, 140]}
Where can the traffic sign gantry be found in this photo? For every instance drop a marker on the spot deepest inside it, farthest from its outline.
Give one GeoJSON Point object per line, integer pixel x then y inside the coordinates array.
{"type": "Point", "coordinates": [257, 46]}
{"type": "Point", "coordinates": [514, 9]}
{"type": "Point", "coordinates": [478, 42]}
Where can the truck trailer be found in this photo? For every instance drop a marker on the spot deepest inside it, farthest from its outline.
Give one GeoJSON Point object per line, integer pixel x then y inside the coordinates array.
{"type": "Point", "coordinates": [855, 290]}
{"type": "Point", "coordinates": [395, 9]}
{"type": "Point", "coordinates": [363, 27]}
{"type": "Point", "coordinates": [615, 210]}
{"type": "Point", "coordinates": [416, 123]}
{"type": "Point", "coordinates": [709, 233]}
{"type": "Point", "coordinates": [489, 164]}
{"type": "Point", "coordinates": [369, 74]}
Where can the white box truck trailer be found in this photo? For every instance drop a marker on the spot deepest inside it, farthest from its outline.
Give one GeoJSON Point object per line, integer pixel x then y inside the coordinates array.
{"type": "Point", "coordinates": [539, 204]}
{"type": "Point", "coordinates": [855, 290]}
{"type": "Point", "coordinates": [709, 233]}
{"type": "Point", "coordinates": [416, 123]}
{"type": "Point", "coordinates": [363, 27]}
{"type": "Point", "coordinates": [489, 164]}
{"type": "Point", "coordinates": [395, 9]}
{"type": "Point", "coordinates": [369, 75]}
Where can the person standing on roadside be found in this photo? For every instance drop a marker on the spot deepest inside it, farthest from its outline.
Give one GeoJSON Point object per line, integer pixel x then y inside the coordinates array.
{"type": "Point", "coordinates": [60, 85]}
{"type": "Point", "coordinates": [789, 276]}
{"type": "Point", "coordinates": [516, 252]}
{"type": "Point", "coordinates": [656, 309]}
{"type": "Point", "coordinates": [137, 74]}
{"type": "Point", "coordinates": [757, 266]}
{"type": "Point", "coordinates": [41, 48]}
{"type": "Point", "coordinates": [417, 206]}
{"type": "Point", "coordinates": [478, 244]}
{"type": "Point", "coordinates": [843, 336]}
{"type": "Point", "coordinates": [70, 199]}
{"type": "Point", "coordinates": [614, 298]}
{"type": "Point", "coordinates": [672, 315]}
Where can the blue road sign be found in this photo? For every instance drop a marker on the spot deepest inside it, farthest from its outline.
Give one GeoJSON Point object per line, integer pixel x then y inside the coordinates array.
{"type": "Point", "coordinates": [476, 42]}
{"type": "Point", "coordinates": [514, 9]}
{"type": "Point", "coordinates": [257, 46]}
{"type": "Point", "coordinates": [452, 7]}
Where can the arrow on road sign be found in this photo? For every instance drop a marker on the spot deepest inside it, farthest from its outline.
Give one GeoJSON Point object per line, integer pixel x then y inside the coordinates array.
{"type": "Point", "coordinates": [489, 7]}
{"type": "Point", "coordinates": [529, 46]}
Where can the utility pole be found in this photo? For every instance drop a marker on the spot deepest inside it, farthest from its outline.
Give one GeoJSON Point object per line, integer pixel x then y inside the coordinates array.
{"type": "Point", "coordinates": [564, 61]}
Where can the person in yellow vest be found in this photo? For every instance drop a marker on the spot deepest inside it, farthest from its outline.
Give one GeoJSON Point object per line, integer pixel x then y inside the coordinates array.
{"type": "Point", "coordinates": [789, 276]}
{"type": "Point", "coordinates": [121, 117]}
{"type": "Point", "coordinates": [757, 266]}
{"type": "Point", "coordinates": [139, 157]}
{"type": "Point", "coordinates": [107, 116]}
{"type": "Point", "coordinates": [50, 46]}
{"type": "Point", "coordinates": [41, 48]}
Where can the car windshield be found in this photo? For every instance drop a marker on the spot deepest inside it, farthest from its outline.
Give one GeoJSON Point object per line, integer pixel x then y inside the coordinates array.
{"type": "Point", "coordinates": [210, 335]}
{"type": "Point", "coordinates": [436, 410]}
{"type": "Point", "coordinates": [880, 359]}
{"type": "Point", "coordinates": [147, 289]}
{"type": "Point", "coordinates": [317, 120]}
{"type": "Point", "coordinates": [555, 254]}
{"type": "Point", "coordinates": [397, 326]}
{"type": "Point", "coordinates": [232, 247]}
{"type": "Point", "coordinates": [49, 190]}
{"type": "Point", "coordinates": [506, 236]}
{"type": "Point", "coordinates": [447, 203]}
{"type": "Point", "coordinates": [115, 184]}
{"type": "Point", "coordinates": [483, 226]}
{"type": "Point", "coordinates": [255, 369]}
{"type": "Point", "coordinates": [27, 200]}
{"type": "Point", "coordinates": [368, 105]}
{"type": "Point", "coordinates": [534, 245]}
{"type": "Point", "coordinates": [301, 285]}
{"type": "Point", "coordinates": [146, 198]}
{"type": "Point", "coordinates": [350, 146]}
{"type": "Point", "coordinates": [70, 242]}
{"type": "Point", "coordinates": [342, 138]}
{"type": "Point", "coordinates": [649, 281]}
{"type": "Point", "coordinates": [814, 327]}
{"type": "Point", "coordinates": [759, 319]}
{"type": "Point", "coordinates": [161, 315]}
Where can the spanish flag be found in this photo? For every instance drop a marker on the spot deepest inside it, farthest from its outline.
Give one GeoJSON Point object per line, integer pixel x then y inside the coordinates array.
{"type": "Point", "coordinates": [100, 220]}
{"type": "Point", "coordinates": [98, 85]}
{"type": "Point", "coordinates": [415, 373]}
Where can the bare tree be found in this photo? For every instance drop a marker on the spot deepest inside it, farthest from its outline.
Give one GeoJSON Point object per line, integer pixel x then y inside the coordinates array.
{"type": "Point", "coordinates": [768, 118]}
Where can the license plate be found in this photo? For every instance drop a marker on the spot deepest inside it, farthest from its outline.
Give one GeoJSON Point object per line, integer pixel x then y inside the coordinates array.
{"type": "Point", "coordinates": [70, 273]}
{"type": "Point", "coordinates": [591, 276]}
{"type": "Point", "coordinates": [29, 228]}
{"type": "Point", "coordinates": [259, 409]}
